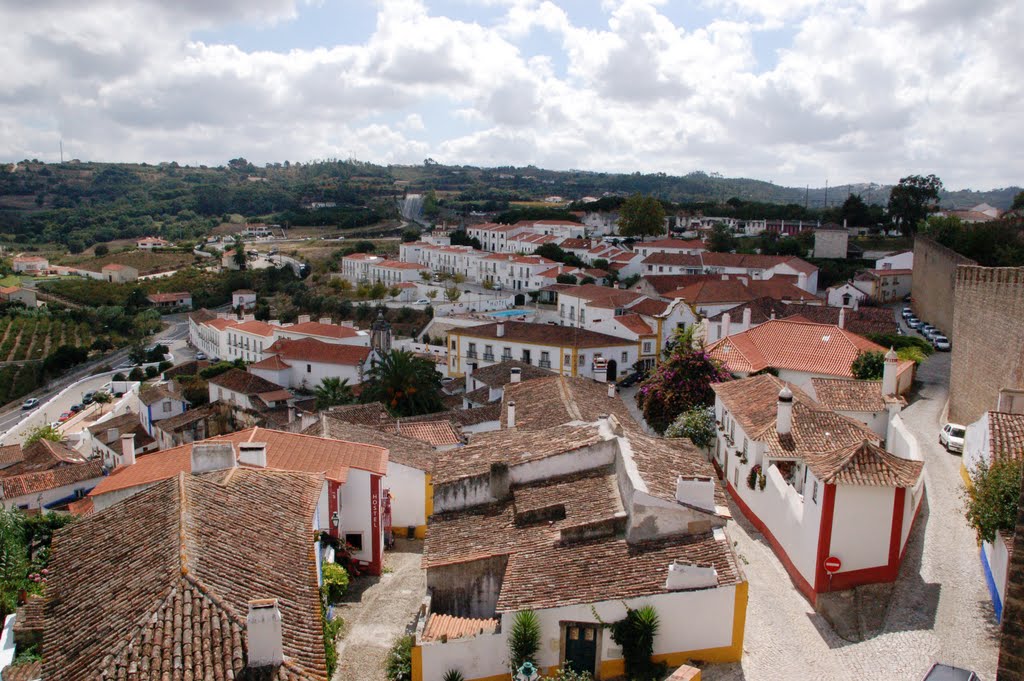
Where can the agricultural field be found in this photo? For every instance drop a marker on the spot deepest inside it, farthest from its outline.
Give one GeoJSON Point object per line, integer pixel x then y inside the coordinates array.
{"type": "Point", "coordinates": [26, 337]}
{"type": "Point", "coordinates": [146, 262]}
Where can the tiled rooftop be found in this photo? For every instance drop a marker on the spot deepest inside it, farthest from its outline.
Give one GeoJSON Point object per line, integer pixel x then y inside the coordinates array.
{"type": "Point", "coordinates": [848, 394]}
{"type": "Point", "coordinates": [172, 602]}
{"type": "Point", "coordinates": [437, 433]}
{"type": "Point", "coordinates": [448, 627]}
{"type": "Point", "coordinates": [498, 375]}
{"type": "Point", "coordinates": [1006, 435]}
{"type": "Point", "coordinates": [313, 350]}
{"type": "Point", "coordinates": [541, 334]}
{"type": "Point", "coordinates": [156, 393]}
{"type": "Point", "coordinates": [403, 450]}
{"type": "Point", "coordinates": [285, 452]}
{"type": "Point", "coordinates": [336, 331]}
{"type": "Point", "coordinates": [864, 463]}
{"type": "Point", "coordinates": [239, 381]}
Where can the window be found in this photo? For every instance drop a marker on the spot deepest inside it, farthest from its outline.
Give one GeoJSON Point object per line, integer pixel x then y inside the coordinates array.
{"type": "Point", "coordinates": [489, 353]}
{"type": "Point", "coordinates": [736, 477]}
{"type": "Point", "coordinates": [355, 540]}
{"type": "Point", "coordinates": [453, 344]}
{"type": "Point", "coordinates": [471, 351]}
{"type": "Point", "coordinates": [583, 315]}
{"type": "Point", "coordinates": [814, 492]}
{"type": "Point", "coordinates": [167, 407]}
{"type": "Point", "coordinates": [625, 357]}
{"type": "Point", "coordinates": [526, 356]}
{"type": "Point", "coordinates": [506, 354]}
{"type": "Point", "coordinates": [562, 313]}
{"type": "Point", "coordinates": [648, 348]}
{"type": "Point", "coordinates": [309, 368]}
{"type": "Point", "coordinates": [581, 359]}
{"type": "Point", "coordinates": [545, 360]}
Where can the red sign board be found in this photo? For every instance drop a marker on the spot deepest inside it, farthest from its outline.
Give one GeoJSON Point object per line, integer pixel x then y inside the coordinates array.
{"type": "Point", "coordinates": [833, 564]}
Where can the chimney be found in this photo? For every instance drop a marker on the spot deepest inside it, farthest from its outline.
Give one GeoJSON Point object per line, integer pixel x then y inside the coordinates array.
{"type": "Point", "coordinates": [696, 490]}
{"type": "Point", "coordinates": [291, 413]}
{"type": "Point", "coordinates": [784, 413]}
{"type": "Point", "coordinates": [500, 331]}
{"type": "Point", "coordinates": [801, 280]}
{"type": "Point", "coordinates": [611, 389]}
{"type": "Point", "coordinates": [889, 373]}
{"type": "Point", "coordinates": [263, 633]}
{"type": "Point", "coordinates": [253, 453]}
{"type": "Point", "coordinates": [325, 320]}
{"type": "Point", "coordinates": [511, 414]}
{"type": "Point", "coordinates": [856, 304]}
{"type": "Point", "coordinates": [303, 319]}
{"type": "Point", "coordinates": [747, 317]}
{"type": "Point", "coordinates": [689, 576]}
{"type": "Point", "coordinates": [842, 317]}
{"type": "Point", "coordinates": [128, 449]}
{"type": "Point", "coordinates": [726, 324]}
{"type": "Point", "coordinates": [212, 456]}
{"type": "Point", "coordinates": [515, 375]}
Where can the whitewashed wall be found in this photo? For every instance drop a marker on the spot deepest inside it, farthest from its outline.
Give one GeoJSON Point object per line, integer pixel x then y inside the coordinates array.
{"type": "Point", "coordinates": [862, 526]}
{"type": "Point", "coordinates": [356, 512]}
{"type": "Point", "coordinates": [408, 495]}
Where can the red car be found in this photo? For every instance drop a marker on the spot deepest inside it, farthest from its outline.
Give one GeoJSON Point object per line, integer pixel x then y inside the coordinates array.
{"type": "Point", "coordinates": [65, 416]}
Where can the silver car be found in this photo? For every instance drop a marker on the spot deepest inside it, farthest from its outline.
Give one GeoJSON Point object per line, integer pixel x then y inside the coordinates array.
{"type": "Point", "coordinates": [952, 437]}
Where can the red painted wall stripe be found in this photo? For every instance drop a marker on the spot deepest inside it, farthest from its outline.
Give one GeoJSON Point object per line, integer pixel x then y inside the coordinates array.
{"type": "Point", "coordinates": [828, 509]}
{"type": "Point", "coordinates": [899, 500]}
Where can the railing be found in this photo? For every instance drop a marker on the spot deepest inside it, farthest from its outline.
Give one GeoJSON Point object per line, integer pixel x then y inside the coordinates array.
{"type": "Point", "coordinates": [544, 364]}
{"type": "Point", "coordinates": [488, 356]}
{"type": "Point", "coordinates": [506, 358]}
{"type": "Point", "coordinates": [470, 354]}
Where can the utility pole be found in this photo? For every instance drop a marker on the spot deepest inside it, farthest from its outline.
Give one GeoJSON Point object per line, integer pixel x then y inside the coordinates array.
{"type": "Point", "coordinates": [826, 193]}
{"type": "Point", "coordinates": [62, 151]}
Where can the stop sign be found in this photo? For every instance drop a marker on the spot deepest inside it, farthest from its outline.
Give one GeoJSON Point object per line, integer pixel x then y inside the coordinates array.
{"type": "Point", "coordinates": [833, 564]}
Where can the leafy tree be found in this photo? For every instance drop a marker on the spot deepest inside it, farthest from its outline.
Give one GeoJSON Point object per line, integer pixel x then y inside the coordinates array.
{"type": "Point", "coordinates": [697, 424]}
{"type": "Point", "coordinates": [721, 239]}
{"type": "Point", "coordinates": [460, 238]}
{"type": "Point", "coordinates": [855, 212]}
{"type": "Point", "coordinates": [333, 391]}
{"type": "Point", "coordinates": [46, 432]}
{"type": "Point", "coordinates": [406, 384]}
{"type": "Point", "coordinates": [365, 246]}
{"type": "Point", "coordinates": [432, 293]}
{"type": "Point", "coordinates": [642, 216]}
{"type": "Point", "coordinates": [13, 558]}
{"type": "Point", "coordinates": [137, 374]}
{"type": "Point", "coordinates": [868, 366]}
{"type": "Point", "coordinates": [565, 279]}
{"type": "Point", "coordinates": [635, 635]}
{"type": "Point", "coordinates": [410, 235]}
{"type": "Point", "coordinates": [992, 499]}
{"type": "Point", "coordinates": [377, 291]}
{"type": "Point", "coordinates": [452, 293]}
{"type": "Point", "coordinates": [911, 200]}
{"type": "Point", "coordinates": [394, 292]}
{"type": "Point", "coordinates": [1018, 201]}
{"type": "Point", "coordinates": [681, 383]}
{"type": "Point", "coordinates": [101, 250]}
{"type": "Point", "coordinates": [63, 358]}
{"type": "Point", "coordinates": [431, 208]}
{"type": "Point", "coordinates": [239, 253]}
{"type": "Point", "coordinates": [524, 639]}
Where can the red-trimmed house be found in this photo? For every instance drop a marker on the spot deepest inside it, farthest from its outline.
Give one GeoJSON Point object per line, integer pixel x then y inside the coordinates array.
{"type": "Point", "coordinates": [820, 486]}
{"type": "Point", "coordinates": [352, 504]}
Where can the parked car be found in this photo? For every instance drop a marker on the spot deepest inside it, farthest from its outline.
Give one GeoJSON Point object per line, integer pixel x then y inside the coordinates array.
{"type": "Point", "coordinates": [422, 301]}
{"type": "Point", "coordinates": [942, 343]}
{"type": "Point", "coordinates": [200, 356]}
{"type": "Point", "coordinates": [952, 437]}
{"type": "Point", "coordinates": [944, 672]}
{"type": "Point", "coordinates": [914, 323]}
{"type": "Point", "coordinates": [55, 425]}
{"type": "Point", "coordinates": [907, 312]}
{"type": "Point", "coordinates": [75, 408]}
{"type": "Point", "coordinates": [929, 331]}
{"type": "Point", "coordinates": [30, 403]}
{"type": "Point", "coordinates": [64, 417]}
{"type": "Point", "coordinates": [88, 397]}
{"type": "Point", "coordinates": [631, 379]}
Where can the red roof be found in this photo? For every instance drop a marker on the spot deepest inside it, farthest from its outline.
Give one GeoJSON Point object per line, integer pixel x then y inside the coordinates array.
{"type": "Point", "coordinates": [796, 345]}
{"type": "Point", "coordinates": [635, 323]}
{"type": "Point", "coordinates": [678, 244]}
{"type": "Point", "coordinates": [325, 330]}
{"type": "Point", "coordinates": [313, 350]}
{"type": "Point", "coordinates": [168, 297]}
{"type": "Point", "coordinates": [256, 328]}
{"type": "Point", "coordinates": [272, 363]}
{"type": "Point", "coordinates": [116, 266]}
{"type": "Point", "coordinates": [221, 324]}
{"type": "Point", "coordinates": [400, 265]}
{"type": "Point", "coordinates": [285, 452]}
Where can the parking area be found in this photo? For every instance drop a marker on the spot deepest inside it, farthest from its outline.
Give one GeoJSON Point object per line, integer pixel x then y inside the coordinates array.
{"type": "Point", "coordinates": [939, 609]}
{"type": "Point", "coordinates": [377, 610]}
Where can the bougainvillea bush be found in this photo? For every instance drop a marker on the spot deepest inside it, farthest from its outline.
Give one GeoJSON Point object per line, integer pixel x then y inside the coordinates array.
{"type": "Point", "coordinates": [682, 382]}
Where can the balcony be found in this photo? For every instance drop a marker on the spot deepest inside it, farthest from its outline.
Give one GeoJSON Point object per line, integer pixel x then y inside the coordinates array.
{"type": "Point", "coordinates": [471, 354]}
{"type": "Point", "coordinates": [506, 358]}
{"type": "Point", "coordinates": [544, 364]}
{"type": "Point", "coordinates": [488, 356]}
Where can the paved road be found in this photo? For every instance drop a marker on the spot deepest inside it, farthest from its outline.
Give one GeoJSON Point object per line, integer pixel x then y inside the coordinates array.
{"type": "Point", "coordinates": [377, 611]}
{"type": "Point", "coordinates": [175, 336]}
{"type": "Point", "coordinates": [939, 610]}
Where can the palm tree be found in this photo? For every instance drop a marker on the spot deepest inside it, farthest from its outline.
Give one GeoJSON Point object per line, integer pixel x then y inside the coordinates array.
{"type": "Point", "coordinates": [333, 391]}
{"type": "Point", "coordinates": [406, 384]}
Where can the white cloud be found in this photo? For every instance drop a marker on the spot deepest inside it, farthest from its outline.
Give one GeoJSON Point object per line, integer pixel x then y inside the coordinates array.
{"type": "Point", "coordinates": [860, 90]}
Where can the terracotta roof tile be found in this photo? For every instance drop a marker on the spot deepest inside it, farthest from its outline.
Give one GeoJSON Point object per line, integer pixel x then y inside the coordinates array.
{"type": "Point", "coordinates": [168, 297]}
{"type": "Point", "coordinates": [663, 283]}
{"type": "Point", "coordinates": [436, 433]}
{"type": "Point", "coordinates": [324, 330]}
{"type": "Point", "coordinates": [676, 244]}
{"type": "Point", "coordinates": [158, 392]}
{"type": "Point", "coordinates": [864, 463]}
{"type": "Point", "coordinates": [794, 345]}
{"type": "Point", "coordinates": [635, 323]}
{"type": "Point", "coordinates": [10, 455]}
{"type": "Point", "coordinates": [650, 307]}
{"type": "Point", "coordinates": [272, 363]}
{"type": "Point", "coordinates": [239, 381]}
{"type": "Point", "coordinates": [176, 585]}
{"type": "Point", "coordinates": [169, 425]}
{"type": "Point", "coordinates": [369, 414]}
{"type": "Point", "coordinates": [26, 671]}
{"type": "Point", "coordinates": [313, 350]}
{"type": "Point", "coordinates": [500, 374]}
{"type": "Point", "coordinates": [403, 450]}
{"type": "Point", "coordinates": [843, 394]}
{"type": "Point", "coordinates": [285, 452]}
{"type": "Point", "coordinates": [674, 259]}
{"type": "Point", "coordinates": [1006, 435]}
{"type": "Point", "coordinates": [82, 507]}
{"type": "Point", "coordinates": [861, 321]}
{"type": "Point", "coordinates": [447, 627]}
{"type": "Point", "coordinates": [109, 432]}
{"type": "Point", "coordinates": [256, 328]}
{"type": "Point", "coordinates": [542, 334]}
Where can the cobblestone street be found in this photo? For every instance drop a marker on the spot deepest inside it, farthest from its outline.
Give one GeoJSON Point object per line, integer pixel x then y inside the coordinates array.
{"type": "Point", "coordinates": [376, 612]}
{"type": "Point", "coordinates": [940, 610]}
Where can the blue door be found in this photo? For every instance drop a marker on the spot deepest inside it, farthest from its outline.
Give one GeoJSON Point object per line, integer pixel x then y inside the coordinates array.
{"type": "Point", "coordinates": [581, 647]}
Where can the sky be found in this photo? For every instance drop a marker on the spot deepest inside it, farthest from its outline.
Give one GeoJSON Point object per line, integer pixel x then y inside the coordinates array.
{"type": "Point", "coordinates": [790, 91]}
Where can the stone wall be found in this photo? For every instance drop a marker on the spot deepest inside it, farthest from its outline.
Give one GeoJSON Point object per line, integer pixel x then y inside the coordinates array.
{"type": "Point", "coordinates": [934, 280]}
{"type": "Point", "coordinates": [467, 589]}
{"type": "Point", "coordinates": [988, 338]}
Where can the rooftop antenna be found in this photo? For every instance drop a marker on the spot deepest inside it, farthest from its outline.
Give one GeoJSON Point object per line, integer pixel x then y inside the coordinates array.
{"type": "Point", "coordinates": [62, 152]}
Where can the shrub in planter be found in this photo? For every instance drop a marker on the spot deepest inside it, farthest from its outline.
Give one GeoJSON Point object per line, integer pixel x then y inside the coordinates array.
{"type": "Point", "coordinates": [752, 477]}
{"type": "Point", "coordinates": [524, 639]}
{"type": "Point", "coordinates": [335, 582]}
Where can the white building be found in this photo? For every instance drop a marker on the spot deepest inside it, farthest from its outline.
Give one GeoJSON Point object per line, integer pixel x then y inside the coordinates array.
{"type": "Point", "coordinates": [157, 403]}
{"type": "Point", "coordinates": [391, 272]}
{"type": "Point", "coordinates": [838, 510]}
{"type": "Point", "coordinates": [356, 266]}
{"type": "Point", "coordinates": [243, 300]}
{"type": "Point", "coordinates": [687, 246]}
{"type": "Point", "coordinates": [304, 364]}
{"type": "Point", "coordinates": [831, 241]}
{"type": "Point", "coordinates": [46, 475]}
{"type": "Point", "coordinates": [513, 272]}
{"type": "Point", "coordinates": [846, 295]}
{"type": "Point", "coordinates": [570, 352]}
{"type": "Point", "coordinates": [30, 264]}
{"type": "Point", "coordinates": [903, 260]}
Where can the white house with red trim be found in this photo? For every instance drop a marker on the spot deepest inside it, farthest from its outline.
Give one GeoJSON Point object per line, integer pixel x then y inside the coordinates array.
{"type": "Point", "coordinates": [834, 502]}
{"type": "Point", "coordinates": [30, 264]}
{"type": "Point", "coordinates": [352, 505]}
{"type": "Point", "coordinates": [304, 363]}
